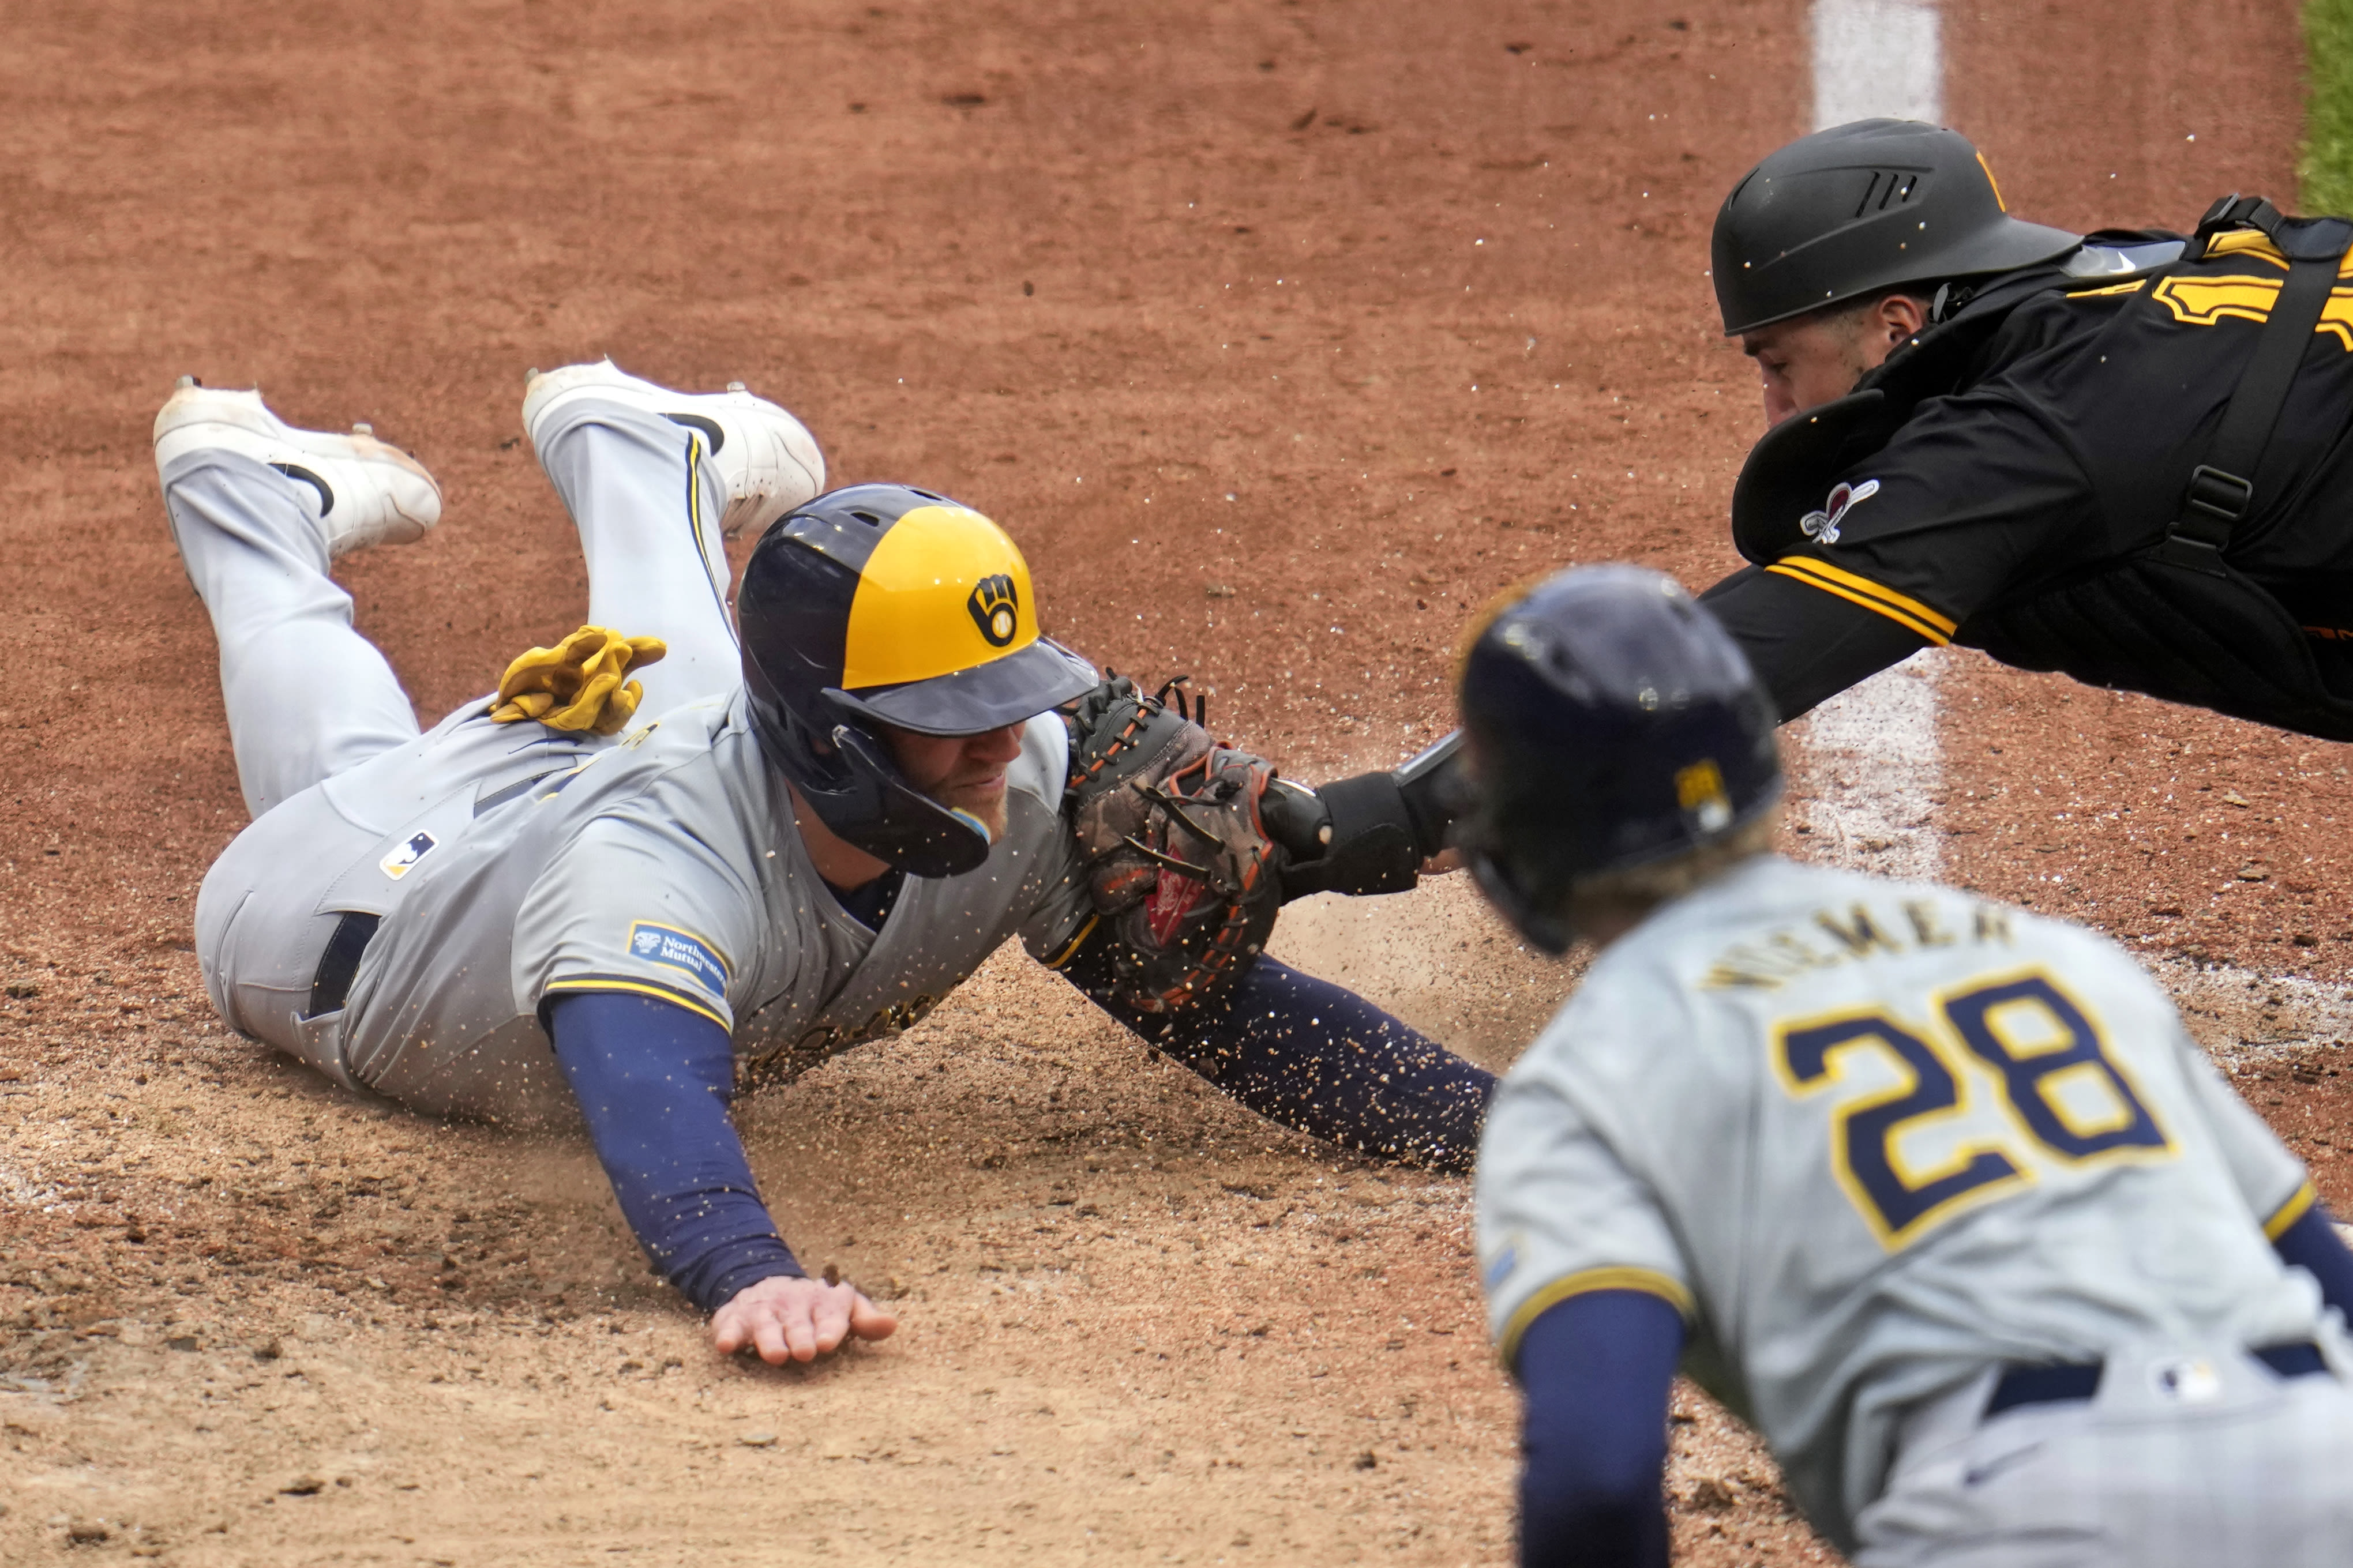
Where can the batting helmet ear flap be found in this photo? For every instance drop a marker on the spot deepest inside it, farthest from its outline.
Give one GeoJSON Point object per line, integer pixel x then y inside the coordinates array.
{"type": "Point", "coordinates": [850, 782]}
{"type": "Point", "coordinates": [894, 821]}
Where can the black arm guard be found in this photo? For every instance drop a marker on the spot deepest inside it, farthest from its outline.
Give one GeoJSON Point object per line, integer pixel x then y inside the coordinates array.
{"type": "Point", "coordinates": [1371, 833]}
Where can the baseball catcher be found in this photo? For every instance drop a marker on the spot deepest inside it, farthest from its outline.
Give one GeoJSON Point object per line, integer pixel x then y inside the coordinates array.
{"type": "Point", "coordinates": [2116, 455]}
{"type": "Point", "coordinates": [1938, 1194]}
{"type": "Point", "coordinates": [661, 861]}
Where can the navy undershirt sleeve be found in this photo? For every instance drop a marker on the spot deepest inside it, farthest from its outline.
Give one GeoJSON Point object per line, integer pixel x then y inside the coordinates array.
{"type": "Point", "coordinates": [1595, 1370]}
{"type": "Point", "coordinates": [2311, 1244]}
{"type": "Point", "coordinates": [1318, 1057]}
{"type": "Point", "coordinates": [653, 1080]}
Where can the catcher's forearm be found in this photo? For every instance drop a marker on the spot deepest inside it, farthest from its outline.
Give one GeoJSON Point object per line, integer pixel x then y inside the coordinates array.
{"type": "Point", "coordinates": [1315, 1056]}
{"type": "Point", "coordinates": [653, 1079]}
{"type": "Point", "coordinates": [1371, 833]}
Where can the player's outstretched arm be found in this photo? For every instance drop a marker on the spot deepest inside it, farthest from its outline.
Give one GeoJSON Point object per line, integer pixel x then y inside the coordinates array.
{"type": "Point", "coordinates": [653, 1080]}
{"type": "Point", "coordinates": [1805, 643]}
{"type": "Point", "coordinates": [1313, 1056]}
{"type": "Point", "coordinates": [1595, 1370]}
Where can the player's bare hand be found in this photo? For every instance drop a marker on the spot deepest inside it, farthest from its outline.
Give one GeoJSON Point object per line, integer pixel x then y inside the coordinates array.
{"type": "Point", "coordinates": [796, 1320]}
{"type": "Point", "coordinates": [1439, 864]}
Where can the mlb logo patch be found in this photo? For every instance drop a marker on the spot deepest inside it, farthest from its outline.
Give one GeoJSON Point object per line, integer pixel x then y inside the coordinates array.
{"type": "Point", "coordinates": [675, 948]}
{"type": "Point", "coordinates": [396, 865]}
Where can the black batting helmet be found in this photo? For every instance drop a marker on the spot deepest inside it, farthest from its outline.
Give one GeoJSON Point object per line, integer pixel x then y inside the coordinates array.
{"type": "Point", "coordinates": [884, 604]}
{"type": "Point", "coordinates": [1611, 722]}
{"type": "Point", "coordinates": [1861, 208]}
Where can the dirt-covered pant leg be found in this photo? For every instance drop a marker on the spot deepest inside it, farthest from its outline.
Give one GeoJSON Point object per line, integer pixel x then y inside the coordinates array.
{"type": "Point", "coordinates": [307, 698]}
{"type": "Point", "coordinates": [647, 499]}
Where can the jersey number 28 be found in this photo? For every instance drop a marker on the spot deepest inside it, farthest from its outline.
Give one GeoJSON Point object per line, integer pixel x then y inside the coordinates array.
{"type": "Point", "coordinates": [2064, 1095]}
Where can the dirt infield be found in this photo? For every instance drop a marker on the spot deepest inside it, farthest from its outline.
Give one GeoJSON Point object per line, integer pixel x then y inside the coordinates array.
{"type": "Point", "coordinates": [1281, 335]}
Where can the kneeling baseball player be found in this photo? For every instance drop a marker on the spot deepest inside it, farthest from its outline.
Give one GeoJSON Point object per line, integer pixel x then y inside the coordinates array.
{"type": "Point", "coordinates": [546, 899]}
{"type": "Point", "coordinates": [1937, 1193]}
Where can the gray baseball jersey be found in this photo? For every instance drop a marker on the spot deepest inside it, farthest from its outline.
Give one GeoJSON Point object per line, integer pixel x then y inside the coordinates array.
{"type": "Point", "coordinates": [1869, 1139]}
{"type": "Point", "coordinates": [512, 864]}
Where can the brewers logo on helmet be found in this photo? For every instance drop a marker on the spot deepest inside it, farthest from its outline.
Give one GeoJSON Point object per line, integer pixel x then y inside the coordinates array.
{"type": "Point", "coordinates": [883, 604]}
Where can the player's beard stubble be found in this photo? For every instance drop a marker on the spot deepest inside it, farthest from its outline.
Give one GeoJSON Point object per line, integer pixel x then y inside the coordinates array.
{"type": "Point", "coordinates": [963, 773]}
{"type": "Point", "coordinates": [982, 799]}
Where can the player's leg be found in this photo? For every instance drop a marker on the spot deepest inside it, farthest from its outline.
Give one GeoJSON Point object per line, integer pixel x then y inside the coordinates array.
{"type": "Point", "coordinates": [257, 509]}
{"type": "Point", "coordinates": [656, 480]}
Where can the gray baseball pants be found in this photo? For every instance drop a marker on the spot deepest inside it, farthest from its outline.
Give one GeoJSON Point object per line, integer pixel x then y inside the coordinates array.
{"type": "Point", "coordinates": [2189, 1456]}
{"type": "Point", "coordinates": [327, 746]}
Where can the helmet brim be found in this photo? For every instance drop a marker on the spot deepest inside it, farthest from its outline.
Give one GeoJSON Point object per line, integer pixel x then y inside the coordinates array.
{"type": "Point", "coordinates": [1008, 691]}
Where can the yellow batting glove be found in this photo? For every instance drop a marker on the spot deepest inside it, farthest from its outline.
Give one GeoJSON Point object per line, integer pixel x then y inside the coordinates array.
{"type": "Point", "coordinates": [577, 684]}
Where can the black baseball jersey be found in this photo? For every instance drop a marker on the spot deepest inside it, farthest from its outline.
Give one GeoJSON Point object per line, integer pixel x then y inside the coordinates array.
{"type": "Point", "coordinates": [2034, 449]}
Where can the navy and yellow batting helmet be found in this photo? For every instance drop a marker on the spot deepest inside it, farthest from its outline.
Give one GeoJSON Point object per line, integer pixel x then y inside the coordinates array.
{"type": "Point", "coordinates": [887, 605]}
{"type": "Point", "coordinates": [1612, 722]}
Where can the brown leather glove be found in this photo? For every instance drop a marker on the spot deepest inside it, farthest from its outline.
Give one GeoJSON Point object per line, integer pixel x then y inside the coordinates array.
{"type": "Point", "coordinates": [1181, 865]}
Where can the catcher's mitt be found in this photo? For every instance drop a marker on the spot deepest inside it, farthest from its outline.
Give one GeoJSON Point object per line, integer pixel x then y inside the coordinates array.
{"type": "Point", "coordinates": [1180, 866]}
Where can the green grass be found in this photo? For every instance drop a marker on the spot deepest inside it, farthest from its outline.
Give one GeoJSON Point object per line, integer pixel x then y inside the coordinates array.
{"type": "Point", "coordinates": [2325, 172]}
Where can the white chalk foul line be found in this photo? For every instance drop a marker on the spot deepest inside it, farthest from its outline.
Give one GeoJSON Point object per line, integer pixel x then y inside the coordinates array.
{"type": "Point", "coordinates": [1875, 58]}
{"type": "Point", "coordinates": [1878, 759]}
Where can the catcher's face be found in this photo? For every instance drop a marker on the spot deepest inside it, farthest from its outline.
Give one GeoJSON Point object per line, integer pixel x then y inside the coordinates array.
{"type": "Point", "coordinates": [963, 771]}
{"type": "Point", "coordinates": [1808, 360]}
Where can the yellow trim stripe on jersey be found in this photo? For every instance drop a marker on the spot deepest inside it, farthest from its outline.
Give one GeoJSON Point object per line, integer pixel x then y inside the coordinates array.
{"type": "Point", "coordinates": [1904, 611]}
{"type": "Point", "coordinates": [1584, 1282]}
{"type": "Point", "coordinates": [640, 988]}
{"type": "Point", "coordinates": [2294, 1209]}
{"type": "Point", "coordinates": [2255, 242]}
{"type": "Point", "coordinates": [1071, 948]}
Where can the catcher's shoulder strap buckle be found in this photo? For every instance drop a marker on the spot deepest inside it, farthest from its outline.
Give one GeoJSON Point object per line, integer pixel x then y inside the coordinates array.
{"type": "Point", "coordinates": [2214, 500]}
{"type": "Point", "coordinates": [2235, 211]}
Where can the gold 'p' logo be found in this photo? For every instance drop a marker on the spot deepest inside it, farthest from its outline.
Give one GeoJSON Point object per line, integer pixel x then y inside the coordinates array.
{"type": "Point", "coordinates": [993, 604]}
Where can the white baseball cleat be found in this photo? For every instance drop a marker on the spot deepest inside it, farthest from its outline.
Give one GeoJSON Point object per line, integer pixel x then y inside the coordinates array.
{"type": "Point", "coordinates": [769, 459]}
{"type": "Point", "coordinates": [368, 492]}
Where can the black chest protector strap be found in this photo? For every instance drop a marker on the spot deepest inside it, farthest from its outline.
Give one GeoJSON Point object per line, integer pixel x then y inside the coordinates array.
{"type": "Point", "coordinates": [2222, 490]}
{"type": "Point", "coordinates": [2177, 620]}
